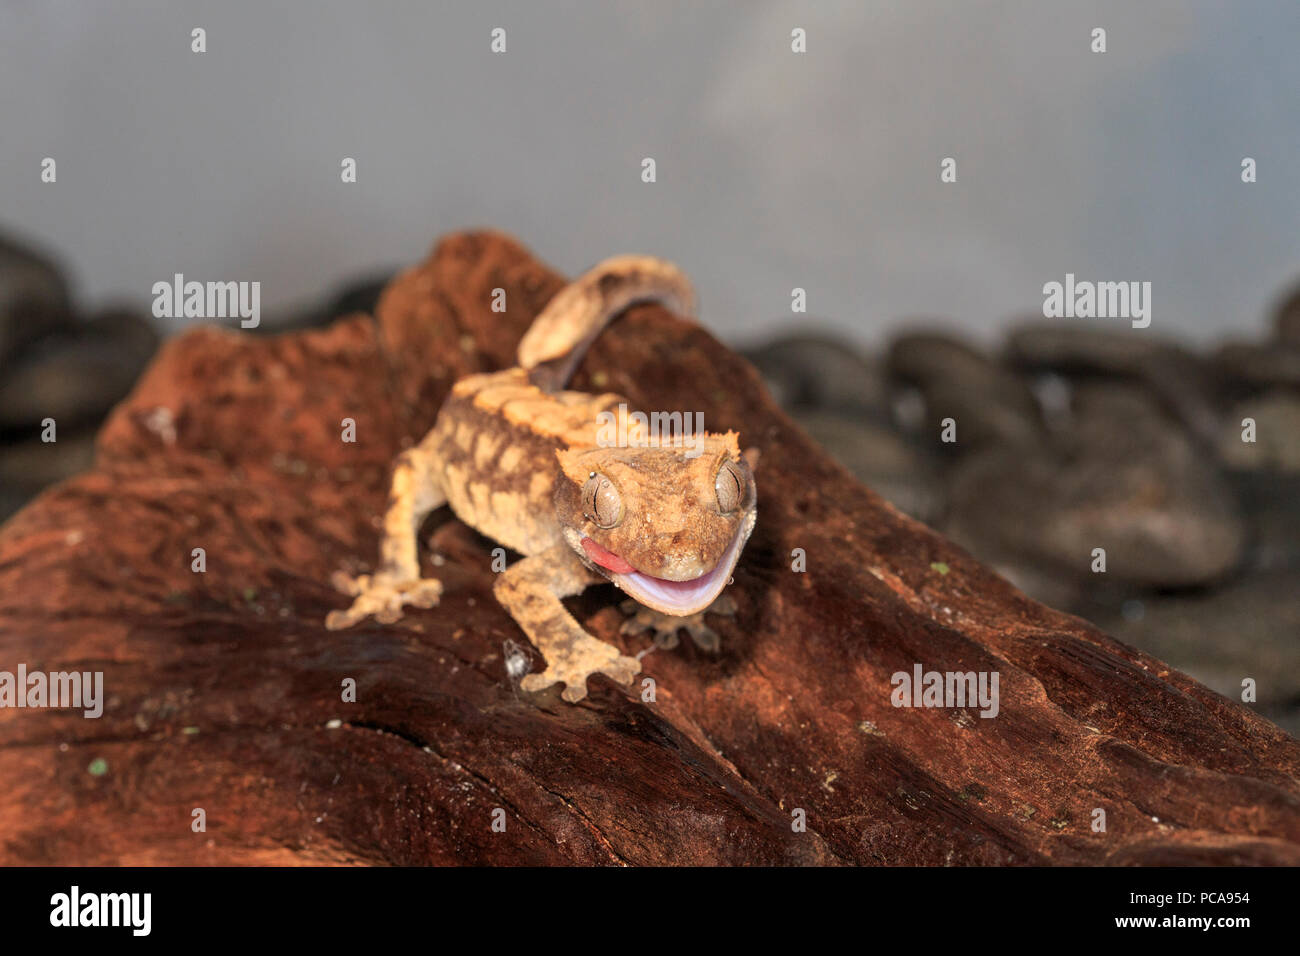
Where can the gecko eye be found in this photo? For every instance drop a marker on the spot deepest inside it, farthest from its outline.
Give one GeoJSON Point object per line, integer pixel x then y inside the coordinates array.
{"type": "Point", "coordinates": [601, 502]}
{"type": "Point", "coordinates": [730, 486]}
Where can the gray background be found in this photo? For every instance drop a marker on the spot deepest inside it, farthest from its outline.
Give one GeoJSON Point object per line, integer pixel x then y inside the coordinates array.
{"type": "Point", "coordinates": [775, 170]}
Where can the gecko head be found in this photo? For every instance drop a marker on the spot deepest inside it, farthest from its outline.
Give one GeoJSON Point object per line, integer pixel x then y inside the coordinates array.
{"type": "Point", "coordinates": [665, 522]}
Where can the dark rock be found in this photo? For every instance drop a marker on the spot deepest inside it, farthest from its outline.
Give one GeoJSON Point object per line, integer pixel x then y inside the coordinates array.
{"type": "Point", "coordinates": [360, 296]}
{"type": "Point", "coordinates": [1250, 367]}
{"type": "Point", "coordinates": [11, 499]}
{"type": "Point", "coordinates": [75, 376]}
{"type": "Point", "coordinates": [921, 358]}
{"type": "Point", "coordinates": [881, 460]}
{"type": "Point", "coordinates": [1286, 319]}
{"type": "Point", "coordinates": [1247, 628]}
{"type": "Point", "coordinates": [33, 298]}
{"type": "Point", "coordinates": [1277, 433]}
{"type": "Point", "coordinates": [820, 371]}
{"type": "Point", "coordinates": [1185, 384]}
{"type": "Point", "coordinates": [127, 328]}
{"type": "Point", "coordinates": [1076, 348]}
{"type": "Point", "coordinates": [27, 467]}
{"type": "Point", "coordinates": [1186, 388]}
{"type": "Point", "coordinates": [228, 683]}
{"type": "Point", "coordinates": [1123, 478]}
{"type": "Point", "coordinates": [1271, 502]}
{"type": "Point", "coordinates": [981, 418]}
{"type": "Point", "coordinates": [1102, 411]}
{"type": "Point", "coordinates": [989, 404]}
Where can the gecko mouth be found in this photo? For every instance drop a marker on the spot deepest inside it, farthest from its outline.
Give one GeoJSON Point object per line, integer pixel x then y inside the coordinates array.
{"type": "Point", "coordinates": [678, 598]}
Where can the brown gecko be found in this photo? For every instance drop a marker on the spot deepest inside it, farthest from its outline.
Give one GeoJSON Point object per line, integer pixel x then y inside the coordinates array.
{"type": "Point", "coordinates": [523, 461]}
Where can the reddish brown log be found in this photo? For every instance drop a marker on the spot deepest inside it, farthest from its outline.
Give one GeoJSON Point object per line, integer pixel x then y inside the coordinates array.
{"type": "Point", "coordinates": [224, 687]}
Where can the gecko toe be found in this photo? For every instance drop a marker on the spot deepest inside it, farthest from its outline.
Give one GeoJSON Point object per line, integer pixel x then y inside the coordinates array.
{"type": "Point", "coordinates": [622, 669]}
{"type": "Point", "coordinates": [535, 682]}
{"type": "Point", "coordinates": [381, 597]}
{"type": "Point", "coordinates": [574, 692]}
{"type": "Point", "coordinates": [348, 584]}
{"type": "Point", "coordinates": [338, 620]}
{"type": "Point", "coordinates": [617, 667]}
{"type": "Point", "coordinates": [664, 627]}
{"type": "Point", "coordinates": [705, 638]}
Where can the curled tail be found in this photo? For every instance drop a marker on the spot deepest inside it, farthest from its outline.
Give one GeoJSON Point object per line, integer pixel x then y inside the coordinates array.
{"type": "Point", "coordinates": [561, 334]}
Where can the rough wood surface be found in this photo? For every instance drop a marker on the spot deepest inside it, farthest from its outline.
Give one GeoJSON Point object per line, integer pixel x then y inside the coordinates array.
{"type": "Point", "coordinates": [224, 687]}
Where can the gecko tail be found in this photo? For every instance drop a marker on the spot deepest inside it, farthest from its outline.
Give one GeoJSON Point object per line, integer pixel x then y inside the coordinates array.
{"type": "Point", "coordinates": [561, 334]}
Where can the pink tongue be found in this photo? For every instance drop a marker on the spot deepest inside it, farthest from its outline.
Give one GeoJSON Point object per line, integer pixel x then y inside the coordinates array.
{"type": "Point", "coordinates": [606, 559]}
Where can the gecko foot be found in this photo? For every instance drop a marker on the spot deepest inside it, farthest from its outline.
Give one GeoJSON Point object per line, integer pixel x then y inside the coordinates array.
{"type": "Point", "coordinates": [666, 626]}
{"type": "Point", "coordinates": [574, 663]}
{"type": "Point", "coordinates": [382, 596]}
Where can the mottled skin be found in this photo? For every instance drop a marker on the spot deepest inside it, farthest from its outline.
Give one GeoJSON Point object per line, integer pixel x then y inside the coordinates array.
{"type": "Point", "coordinates": [517, 458]}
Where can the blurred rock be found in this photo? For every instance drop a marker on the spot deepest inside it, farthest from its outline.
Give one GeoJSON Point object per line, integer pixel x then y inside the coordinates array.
{"type": "Point", "coordinates": [1185, 384]}
{"type": "Point", "coordinates": [1046, 585]}
{"type": "Point", "coordinates": [1072, 348]}
{"type": "Point", "coordinates": [1251, 366]}
{"type": "Point", "coordinates": [126, 327]}
{"type": "Point", "coordinates": [27, 467]}
{"type": "Point", "coordinates": [1271, 502]}
{"type": "Point", "coordinates": [1247, 628]}
{"type": "Point", "coordinates": [33, 298]}
{"type": "Point", "coordinates": [814, 370]}
{"type": "Point", "coordinates": [361, 295]}
{"type": "Point", "coordinates": [1277, 433]}
{"type": "Point", "coordinates": [76, 375]}
{"type": "Point", "coordinates": [982, 418]}
{"type": "Point", "coordinates": [1187, 389]}
{"type": "Point", "coordinates": [990, 404]}
{"type": "Point", "coordinates": [881, 460]}
{"type": "Point", "coordinates": [1124, 478]}
{"type": "Point", "coordinates": [1101, 411]}
{"type": "Point", "coordinates": [11, 499]}
{"type": "Point", "coordinates": [1286, 319]}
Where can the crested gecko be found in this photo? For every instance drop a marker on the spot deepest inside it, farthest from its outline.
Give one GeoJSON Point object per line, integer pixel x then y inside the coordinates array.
{"type": "Point", "coordinates": [521, 460]}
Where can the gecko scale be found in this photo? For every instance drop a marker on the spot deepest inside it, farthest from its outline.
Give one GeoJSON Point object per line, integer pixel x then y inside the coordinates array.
{"type": "Point", "coordinates": [519, 459]}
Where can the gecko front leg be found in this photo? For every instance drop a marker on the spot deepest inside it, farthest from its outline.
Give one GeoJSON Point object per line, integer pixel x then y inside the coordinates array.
{"type": "Point", "coordinates": [414, 493]}
{"type": "Point", "coordinates": [666, 626]}
{"type": "Point", "coordinates": [531, 591]}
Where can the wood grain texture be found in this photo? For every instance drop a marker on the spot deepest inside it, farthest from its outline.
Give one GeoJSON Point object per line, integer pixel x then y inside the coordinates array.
{"type": "Point", "coordinates": [224, 687]}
